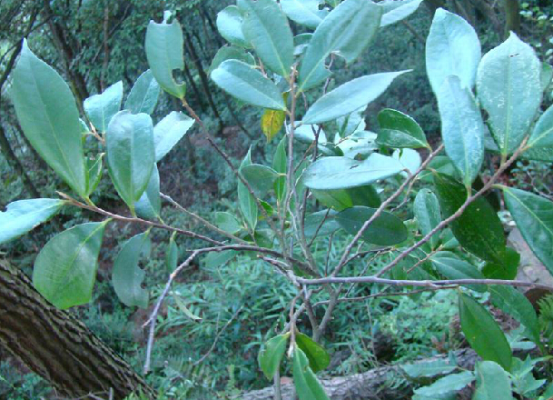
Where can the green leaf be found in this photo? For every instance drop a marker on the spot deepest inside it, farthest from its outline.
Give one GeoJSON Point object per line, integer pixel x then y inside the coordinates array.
{"type": "Point", "coordinates": [279, 165]}
{"type": "Point", "coordinates": [172, 254]}
{"type": "Point", "coordinates": [101, 108]}
{"type": "Point", "coordinates": [534, 217]}
{"type": "Point", "coordinates": [507, 268]}
{"type": "Point", "coordinates": [462, 128]}
{"type": "Point", "coordinates": [478, 229]}
{"type": "Point", "coordinates": [514, 303]}
{"type": "Point", "coordinates": [266, 28]}
{"type": "Point", "coordinates": [346, 198]}
{"type": "Point", "coordinates": [230, 53]}
{"type": "Point", "coordinates": [185, 310]}
{"type": "Point", "coordinates": [318, 357]}
{"type": "Point", "coordinates": [386, 230]}
{"type": "Point", "coordinates": [95, 172]}
{"type": "Point", "coordinates": [272, 122]}
{"type": "Point", "coordinates": [260, 177]}
{"type": "Point", "coordinates": [322, 222]}
{"type": "Point", "coordinates": [349, 97]}
{"type": "Point", "coordinates": [540, 143]}
{"type": "Point", "coordinates": [546, 76]}
{"type": "Point", "coordinates": [509, 89]}
{"type": "Point", "coordinates": [127, 277]}
{"type": "Point", "coordinates": [399, 130]}
{"type": "Point", "coordinates": [452, 48]}
{"type": "Point", "coordinates": [451, 267]}
{"type": "Point", "coordinates": [307, 385]}
{"type": "Point", "coordinates": [246, 201]}
{"type": "Point", "coordinates": [130, 154]}
{"type": "Point", "coordinates": [483, 333]}
{"type": "Point", "coordinates": [346, 31]}
{"type": "Point", "coordinates": [227, 222]}
{"type": "Point", "coordinates": [447, 384]}
{"type": "Point", "coordinates": [65, 269]}
{"type": "Point", "coordinates": [164, 51]}
{"type": "Point", "coordinates": [149, 204]}
{"type": "Point", "coordinates": [426, 208]}
{"type": "Point", "coordinates": [229, 24]}
{"type": "Point", "coordinates": [271, 356]}
{"type": "Point", "coordinates": [395, 11]}
{"type": "Point", "coordinates": [342, 172]}
{"type": "Point", "coordinates": [23, 216]}
{"type": "Point", "coordinates": [46, 109]}
{"type": "Point", "coordinates": [247, 84]}
{"type": "Point", "coordinates": [144, 94]}
{"type": "Point", "coordinates": [304, 12]}
{"type": "Point", "coordinates": [492, 382]}
{"type": "Point", "coordinates": [428, 369]}
{"type": "Point", "coordinates": [169, 131]}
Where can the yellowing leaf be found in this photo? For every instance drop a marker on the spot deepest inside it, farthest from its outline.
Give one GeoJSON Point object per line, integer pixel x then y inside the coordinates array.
{"type": "Point", "coordinates": [271, 122]}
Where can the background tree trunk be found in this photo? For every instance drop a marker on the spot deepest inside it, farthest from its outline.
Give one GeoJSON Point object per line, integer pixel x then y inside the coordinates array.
{"type": "Point", "coordinates": [512, 17]}
{"type": "Point", "coordinates": [57, 346]}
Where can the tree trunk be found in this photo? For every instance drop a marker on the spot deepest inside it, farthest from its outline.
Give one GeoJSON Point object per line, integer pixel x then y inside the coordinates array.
{"type": "Point", "coordinates": [512, 17]}
{"type": "Point", "coordinates": [58, 347]}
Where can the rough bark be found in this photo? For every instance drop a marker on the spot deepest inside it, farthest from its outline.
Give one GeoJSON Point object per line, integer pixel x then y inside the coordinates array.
{"type": "Point", "coordinates": [58, 347]}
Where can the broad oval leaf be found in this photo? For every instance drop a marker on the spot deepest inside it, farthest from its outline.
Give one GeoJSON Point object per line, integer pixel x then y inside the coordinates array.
{"type": "Point", "coordinates": [345, 198]}
{"type": "Point", "coordinates": [266, 28]}
{"type": "Point", "coordinates": [321, 223]}
{"type": "Point", "coordinates": [492, 382]}
{"type": "Point", "coordinates": [130, 154]}
{"type": "Point", "coordinates": [507, 268]}
{"type": "Point", "coordinates": [144, 94]}
{"type": "Point", "coordinates": [347, 31]}
{"type": "Point", "coordinates": [395, 11]}
{"type": "Point", "coordinates": [483, 333]}
{"type": "Point", "coordinates": [447, 384]}
{"type": "Point", "coordinates": [272, 122]}
{"type": "Point", "coordinates": [540, 143]}
{"type": "Point", "coordinates": [101, 108]}
{"type": "Point", "coordinates": [534, 217]}
{"type": "Point", "coordinates": [509, 89]}
{"type": "Point", "coordinates": [343, 173]}
{"type": "Point", "coordinates": [149, 204]}
{"type": "Point", "coordinates": [65, 269]}
{"type": "Point", "coordinates": [462, 128]}
{"type": "Point", "coordinates": [169, 131]}
{"type": "Point", "coordinates": [478, 229]}
{"type": "Point", "coordinates": [349, 97]}
{"type": "Point", "coordinates": [230, 53]}
{"type": "Point", "coordinates": [426, 208]}
{"type": "Point", "coordinates": [229, 23]}
{"type": "Point", "coordinates": [399, 130]}
{"type": "Point", "coordinates": [247, 84]}
{"type": "Point", "coordinates": [227, 222]}
{"type": "Point", "coordinates": [451, 267]}
{"type": "Point", "coordinates": [304, 12]}
{"type": "Point", "coordinates": [48, 114]}
{"type": "Point", "coordinates": [164, 51]}
{"type": "Point", "coordinates": [318, 357]}
{"type": "Point", "coordinates": [385, 230]}
{"type": "Point", "coordinates": [271, 356]}
{"type": "Point", "coordinates": [307, 385]}
{"type": "Point", "coordinates": [127, 277]}
{"type": "Point", "coordinates": [23, 216]}
{"type": "Point", "coordinates": [260, 177]}
{"type": "Point", "coordinates": [428, 369]}
{"type": "Point", "coordinates": [246, 201]}
{"type": "Point", "coordinates": [452, 48]}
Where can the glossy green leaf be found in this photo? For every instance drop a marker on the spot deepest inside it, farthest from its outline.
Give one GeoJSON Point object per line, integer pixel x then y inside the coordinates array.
{"type": "Point", "coordinates": [395, 11]}
{"type": "Point", "coordinates": [399, 130]}
{"type": "Point", "coordinates": [514, 303]}
{"type": "Point", "coordinates": [386, 230]}
{"type": "Point", "coordinates": [534, 217]}
{"type": "Point", "coordinates": [483, 333]}
{"type": "Point", "coordinates": [246, 201]}
{"type": "Point", "coordinates": [229, 24]}
{"type": "Point", "coordinates": [346, 31]}
{"type": "Point", "coordinates": [169, 131]}
{"type": "Point", "coordinates": [492, 382]}
{"type": "Point", "coordinates": [95, 172]}
{"type": "Point", "coordinates": [130, 154]}
{"type": "Point", "coordinates": [304, 12]}
{"type": "Point", "coordinates": [426, 208]}
{"type": "Point", "coordinates": [451, 267]}
{"type": "Point", "coordinates": [271, 356]}
{"type": "Point", "coordinates": [410, 160]}
{"type": "Point", "coordinates": [46, 109]}
{"type": "Point", "coordinates": [172, 254]}
{"type": "Point", "coordinates": [478, 229]}
{"type": "Point", "coordinates": [428, 369]}
{"type": "Point", "coordinates": [349, 97]}
{"type": "Point", "coordinates": [65, 269]}
{"type": "Point", "coordinates": [227, 222]}
{"type": "Point", "coordinates": [247, 84]}
{"type": "Point", "coordinates": [346, 198]}
{"type": "Point", "coordinates": [127, 277]}
{"type": "Point", "coordinates": [307, 385]}
{"type": "Point", "coordinates": [230, 53]}
{"type": "Point", "coordinates": [266, 28]}
{"type": "Point", "coordinates": [149, 204]}
{"type": "Point", "coordinates": [462, 128]}
{"type": "Point", "coordinates": [452, 48]}
{"type": "Point", "coordinates": [342, 172]}
{"type": "Point", "coordinates": [144, 94]}
{"type": "Point", "coordinates": [279, 165]}
{"type": "Point", "coordinates": [506, 268]}
{"type": "Point", "coordinates": [540, 143]}
{"type": "Point", "coordinates": [101, 108]}
{"type": "Point", "coordinates": [509, 89]}
{"type": "Point", "coordinates": [260, 177]}
{"type": "Point", "coordinates": [318, 357]}
{"type": "Point", "coordinates": [447, 384]}
{"type": "Point", "coordinates": [164, 51]}
{"type": "Point", "coordinates": [322, 223]}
